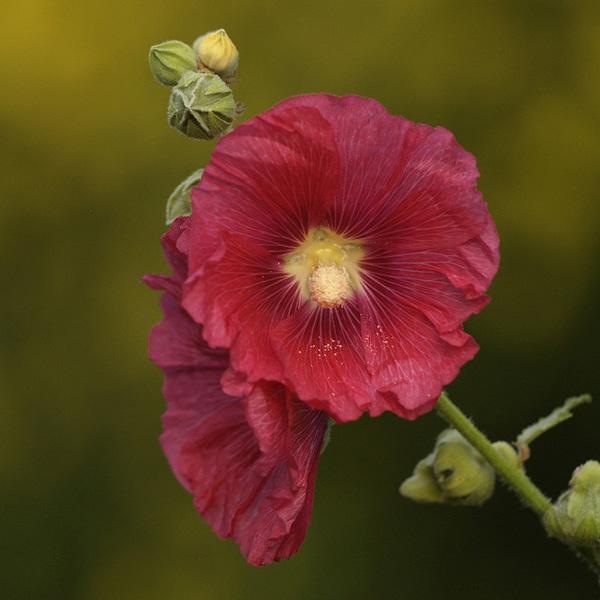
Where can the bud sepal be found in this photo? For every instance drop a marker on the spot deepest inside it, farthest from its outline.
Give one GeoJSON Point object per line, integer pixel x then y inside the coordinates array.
{"type": "Point", "coordinates": [179, 203]}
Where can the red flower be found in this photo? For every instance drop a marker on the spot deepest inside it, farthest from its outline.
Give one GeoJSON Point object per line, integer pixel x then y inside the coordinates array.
{"type": "Point", "coordinates": [337, 249]}
{"type": "Point", "coordinates": [250, 461]}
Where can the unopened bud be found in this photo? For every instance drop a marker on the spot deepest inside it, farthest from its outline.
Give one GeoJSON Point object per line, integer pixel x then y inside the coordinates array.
{"type": "Point", "coordinates": [508, 453]}
{"type": "Point", "coordinates": [422, 486]}
{"type": "Point", "coordinates": [216, 51]}
{"type": "Point", "coordinates": [461, 471]}
{"type": "Point", "coordinates": [454, 473]}
{"type": "Point", "coordinates": [575, 516]}
{"type": "Point", "coordinates": [170, 60]}
{"type": "Point", "coordinates": [201, 106]}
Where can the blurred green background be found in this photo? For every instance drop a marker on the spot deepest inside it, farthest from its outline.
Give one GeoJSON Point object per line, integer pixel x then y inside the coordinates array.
{"type": "Point", "coordinates": [88, 508]}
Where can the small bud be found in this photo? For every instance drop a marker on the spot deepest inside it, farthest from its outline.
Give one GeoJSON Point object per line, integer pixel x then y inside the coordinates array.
{"type": "Point", "coordinates": [575, 516]}
{"type": "Point", "coordinates": [587, 476]}
{"type": "Point", "coordinates": [508, 453]}
{"type": "Point", "coordinates": [461, 471]}
{"type": "Point", "coordinates": [170, 60]}
{"type": "Point", "coordinates": [201, 106]}
{"type": "Point", "coordinates": [179, 203]}
{"type": "Point", "coordinates": [422, 486]}
{"type": "Point", "coordinates": [216, 51]}
{"type": "Point", "coordinates": [454, 473]}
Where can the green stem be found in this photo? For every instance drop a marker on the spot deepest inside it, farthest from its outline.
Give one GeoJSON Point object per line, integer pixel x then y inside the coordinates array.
{"type": "Point", "coordinates": [514, 477]}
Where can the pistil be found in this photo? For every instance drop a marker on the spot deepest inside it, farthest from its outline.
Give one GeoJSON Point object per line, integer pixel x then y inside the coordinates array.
{"type": "Point", "coordinates": [329, 285]}
{"type": "Point", "coordinates": [326, 267]}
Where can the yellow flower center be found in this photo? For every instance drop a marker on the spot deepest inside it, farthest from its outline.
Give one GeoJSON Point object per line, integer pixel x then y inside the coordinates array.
{"type": "Point", "coordinates": [326, 267]}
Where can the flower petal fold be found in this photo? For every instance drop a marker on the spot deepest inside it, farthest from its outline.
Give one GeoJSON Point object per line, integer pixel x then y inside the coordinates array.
{"type": "Point", "coordinates": [248, 459]}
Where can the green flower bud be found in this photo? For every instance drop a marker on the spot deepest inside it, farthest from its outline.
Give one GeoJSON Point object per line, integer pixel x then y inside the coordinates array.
{"type": "Point", "coordinates": [179, 203]}
{"type": "Point", "coordinates": [422, 486]}
{"type": "Point", "coordinates": [461, 472]}
{"type": "Point", "coordinates": [575, 516]}
{"type": "Point", "coordinates": [216, 51]}
{"type": "Point", "coordinates": [170, 60]}
{"type": "Point", "coordinates": [454, 473]}
{"type": "Point", "coordinates": [587, 476]}
{"type": "Point", "coordinates": [508, 453]}
{"type": "Point", "coordinates": [201, 106]}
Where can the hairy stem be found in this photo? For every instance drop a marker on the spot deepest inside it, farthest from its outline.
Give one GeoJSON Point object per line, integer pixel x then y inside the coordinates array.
{"type": "Point", "coordinates": [514, 477]}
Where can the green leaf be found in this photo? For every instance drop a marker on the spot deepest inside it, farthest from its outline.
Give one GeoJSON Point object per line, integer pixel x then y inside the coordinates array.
{"type": "Point", "coordinates": [558, 415]}
{"type": "Point", "coordinates": [179, 203]}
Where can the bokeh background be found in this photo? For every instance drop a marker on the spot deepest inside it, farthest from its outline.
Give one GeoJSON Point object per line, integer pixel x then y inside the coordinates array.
{"type": "Point", "coordinates": [88, 507]}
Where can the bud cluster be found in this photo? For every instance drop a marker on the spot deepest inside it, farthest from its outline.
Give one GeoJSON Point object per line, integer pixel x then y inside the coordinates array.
{"type": "Point", "coordinates": [201, 105]}
{"type": "Point", "coordinates": [454, 473]}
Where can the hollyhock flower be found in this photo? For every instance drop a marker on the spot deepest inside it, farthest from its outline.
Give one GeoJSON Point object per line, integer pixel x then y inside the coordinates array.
{"type": "Point", "coordinates": [338, 249]}
{"type": "Point", "coordinates": [249, 460]}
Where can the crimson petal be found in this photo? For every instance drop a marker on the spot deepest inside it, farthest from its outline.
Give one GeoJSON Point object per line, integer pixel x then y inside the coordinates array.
{"type": "Point", "coordinates": [406, 192]}
{"type": "Point", "coordinates": [250, 462]}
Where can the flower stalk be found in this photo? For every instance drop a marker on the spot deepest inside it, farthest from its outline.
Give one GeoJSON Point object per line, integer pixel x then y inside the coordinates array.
{"type": "Point", "coordinates": [512, 475]}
